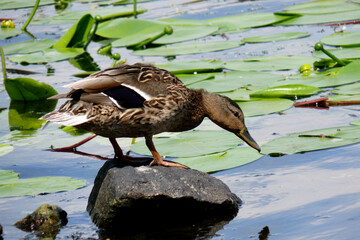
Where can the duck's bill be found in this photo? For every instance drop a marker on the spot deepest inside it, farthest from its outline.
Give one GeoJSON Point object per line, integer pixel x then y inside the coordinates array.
{"type": "Point", "coordinates": [245, 135]}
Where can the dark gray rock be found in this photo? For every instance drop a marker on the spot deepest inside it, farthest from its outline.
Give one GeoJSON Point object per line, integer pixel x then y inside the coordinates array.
{"type": "Point", "coordinates": [126, 197]}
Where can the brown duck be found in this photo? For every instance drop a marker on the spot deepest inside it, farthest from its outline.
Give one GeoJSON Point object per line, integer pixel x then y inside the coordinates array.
{"type": "Point", "coordinates": [141, 100]}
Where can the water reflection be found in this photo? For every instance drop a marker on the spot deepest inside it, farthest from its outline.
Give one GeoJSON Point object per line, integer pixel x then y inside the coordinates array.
{"type": "Point", "coordinates": [174, 222]}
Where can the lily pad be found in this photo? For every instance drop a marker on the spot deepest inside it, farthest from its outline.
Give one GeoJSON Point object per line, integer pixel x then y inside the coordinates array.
{"type": "Point", "coordinates": [346, 53]}
{"type": "Point", "coordinates": [229, 81]}
{"type": "Point", "coordinates": [245, 21]}
{"type": "Point", "coordinates": [264, 106]}
{"type": "Point", "coordinates": [322, 18]}
{"type": "Point", "coordinates": [344, 39]}
{"type": "Point", "coordinates": [188, 79]}
{"type": "Point", "coordinates": [47, 55]}
{"type": "Point", "coordinates": [15, 4]}
{"type": "Point", "coordinates": [11, 185]}
{"type": "Point", "coordinates": [286, 91]}
{"type": "Point", "coordinates": [191, 143]}
{"type": "Point", "coordinates": [320, 7]}
{"type": "Point", "coordinates": [28, 46]}
{"type": "Point", "coordinates": [9, 32]}
{"type": "Point", "coordinates": [77, 35]}
{"type": "Point", "coordinates": [192, 66]}
{"type": "Point", "coordinates": [221, 161]}
{"type": "Point", "coordinates": [188, 48]}
{"type": "Point", "coordinates": [351, 89]}
{"type": "Point", "coordinates": [28, 89]}
{"type": "Point", "coordinates": [269, 63]}
{"type": "Point", "coordinates": [5, 149]}
{"type": "Point", "coordinates": [276, 37]}
{"type": "Point", "coordinates": [70, 17]}
{"type": "Point", "coordinates": [313, 140]}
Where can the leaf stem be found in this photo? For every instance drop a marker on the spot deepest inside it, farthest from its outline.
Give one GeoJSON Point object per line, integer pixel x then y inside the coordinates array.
{"type": "Point", "coordinates": [135, 10]}
{"type": "Point", "coordinates": [31, 15]}
{"type": "Point", "coordinates": [98, 19]}
{"type": "Point", "coordinates": [3, 64]}
{"type": "Point", "coordinates": [319, 47]}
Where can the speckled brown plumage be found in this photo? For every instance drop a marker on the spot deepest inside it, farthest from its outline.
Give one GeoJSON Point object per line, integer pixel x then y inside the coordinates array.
{"type": "Point", "coordinates": [141, 100]}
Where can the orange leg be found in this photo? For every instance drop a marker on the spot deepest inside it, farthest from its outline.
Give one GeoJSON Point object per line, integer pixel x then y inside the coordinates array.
{"type": "Point", "coordinates": [74, 146]}
{"type": "Point", "coordinates": [157, 158]}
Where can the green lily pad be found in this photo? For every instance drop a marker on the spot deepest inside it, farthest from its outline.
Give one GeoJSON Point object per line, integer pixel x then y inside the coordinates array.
{"type": "Point", "coordinates": [192, 66]}
{"type": "Point", "coordinates": [344, 39]}
{"type": "Point", "coordinates": [77, 35]}
{"type": "Point", "coordinates": [346, 53]}
{"type": "Point", "coordinates": [188, 48]}
{"type": "Point", "coordinates": [245, 21]}
{"type": "Point", "coordinates": [178, 21]}
{"type": "Point", "coordinates": [11, 185]}
{"type": "Point", "coordinates": [329, 78]}
{"type": "Point", "coordinates": [344, 97]}
{"type": "Point", "coordinates": [269, 63]}
{"type": "Point", "coordinates": [322, 18]}
{"type": "Point", "coordinates": [73, 131]}
{"type": "Point", "coordinates": [264, 106]}
{"type": "Point", "coordinates": [313, 140]}
{"type": "Point", "coordinates": [351, 89]}
{"type": "Point", "coordinates": [5, 149]}
{"type": "Point", "coordinates": [241, 94]}
{"type": "Point", "coordinates": [320, 7]}
{"type": "Point", "coordinates": [9, 32]}
{"type": "Point", "coordinates": [28, 46]}
{"type": "Point", "coordinates": [48, 55]}
{"type": "Point", "coordinates": [357, 123]}
{"type": "Point", "coordinates": [286, 91]}
{"type": "Point", "coordinates": [229, 81]}
{"type": "Point", "coordinates": [188, 79]}
{"type": "Point", "coordinates": [124, 27]}
{"type": "Point", "coordinates": [70, 17]}
{"type": "Point", "coordinates": [15, 4]}
{"type": "Point", "coordinates": [183, 33]}
{"type": "Point", "coordinates": [28, 89]}
{"type": "Point", "coordinates": [221, 161]}
{"type": "Point", "coordinates": [190, 144]}
{"type": "Point", "coordinates": [276, 37]}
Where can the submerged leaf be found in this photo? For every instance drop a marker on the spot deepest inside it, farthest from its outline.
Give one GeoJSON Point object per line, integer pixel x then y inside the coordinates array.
{"type": "Point", "coordinates": [28, 89]}
{"type": "Point", "coordinates": [11, 185]}
{"type": "Point", "coordinates": [313, 140]}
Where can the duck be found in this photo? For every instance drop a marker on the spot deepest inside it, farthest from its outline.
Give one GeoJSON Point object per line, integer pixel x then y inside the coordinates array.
{"type": "Point", "coordinates": [141, 100]}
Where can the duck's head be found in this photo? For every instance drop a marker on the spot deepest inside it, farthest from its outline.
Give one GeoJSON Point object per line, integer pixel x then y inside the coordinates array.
{"type": "Point", "coordinates": [227, 114]}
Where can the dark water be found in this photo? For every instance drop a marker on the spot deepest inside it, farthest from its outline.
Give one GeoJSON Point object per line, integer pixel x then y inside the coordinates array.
{"type": "Point", "coordinates": [301, 196]}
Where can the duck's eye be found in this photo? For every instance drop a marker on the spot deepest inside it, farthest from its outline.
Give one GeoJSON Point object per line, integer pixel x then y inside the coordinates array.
{"type": "Point", "coordinates": [236, 114]}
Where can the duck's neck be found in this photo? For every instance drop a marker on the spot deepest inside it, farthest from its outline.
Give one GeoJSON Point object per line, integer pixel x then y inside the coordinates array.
{"type": "Point", "coordinates": [212, 107]}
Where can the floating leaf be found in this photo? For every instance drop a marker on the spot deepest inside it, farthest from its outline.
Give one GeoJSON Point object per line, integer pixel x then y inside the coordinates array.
{"type": "Point", "coordinates": [229, 81]}
{"type": "Point", "coordinates": [9, 32]}
{"type": "Point", "coordinates": [77, 35]}
{"type": "Point", "coordinates": [73, 131]}
{"type": "Point", "coordinates": [28, 46]}
{"type": "Point", "coordinates": [192, 66]}
{"type": "Point", "coordinates": [245, 21]}
{"type": "Point", "coordinates": [347, 53]}
{"type": "Point", "coordinates": [276, 37]}
{"type": "Point", "coordinates": [188, 48]}
{"type": "Point", "coordinates": [323, 18]}
{"type": "Point", "coordinates": [264, 106]}
{"type": "Point", "coordinates": [320, 7]}
{"type": "Point", "coordinates": [269, 63]}
{"type": "Point", "coordinates": [28, 89]}
{"type": "Point", "coordinates": [188, 79]}
{"type": "Point", "coordinates": [286, 91]}
{"type": "Point", "coordinates": [70, 17]}
{"type": "Point", "coordinates": [344, 39]}
{"type": "Point", "coordinates": [357, 123]}
{"type": "Point", "coordinates": [191, 143]}
{"type": "Point", "coordinates": [351, 89]}
{"type": "Point", "coordinates": [15, 4]}
{"type": "Point", "coordinates": [221, 161]}
{"type": "Point", "coordinates": [344, 97]}
{"type": "Point", "coordinates": [5, 149]}
{"type": "Point", "coordinates": [178, 21]}
{"type": "Point", "coordinates": [185, 33]}
{"type": "Point", "coordinates": [313, 140]}
{"type": "Point", "coordinates": [11, 185]}
{"type": "Point", "coordinates": [48, 55]}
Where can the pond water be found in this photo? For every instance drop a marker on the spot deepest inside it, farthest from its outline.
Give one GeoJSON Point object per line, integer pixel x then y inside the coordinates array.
{"type": "Point", "coordinates": [313, 195]}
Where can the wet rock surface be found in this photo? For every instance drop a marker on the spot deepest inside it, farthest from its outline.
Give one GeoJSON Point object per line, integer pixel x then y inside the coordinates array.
{"type": "Point", "coordinates": [46, 221]}
{"type": "Point", "coordinates": [126, 198]}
